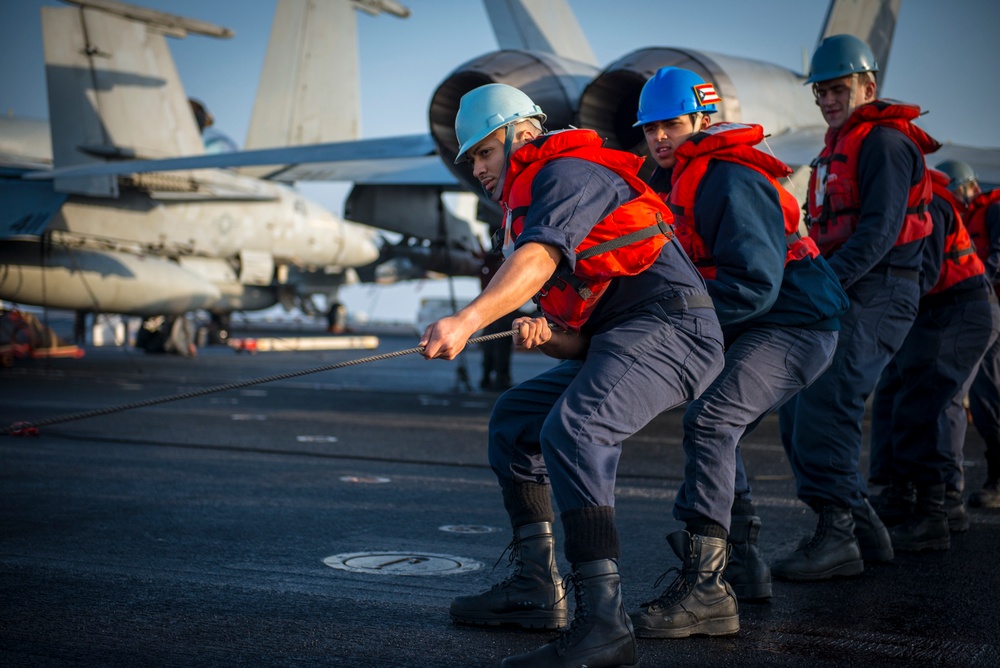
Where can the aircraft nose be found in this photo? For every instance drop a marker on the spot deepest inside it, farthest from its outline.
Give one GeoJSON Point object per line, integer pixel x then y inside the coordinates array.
{"type": "Point", "coordinates": [358, 247]}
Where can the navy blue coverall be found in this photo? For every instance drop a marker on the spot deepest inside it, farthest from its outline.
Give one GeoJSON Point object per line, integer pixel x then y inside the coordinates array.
{"type": "Point", "coordinates": [648, 352]}
{"type": "Point", "coordinates": [918, 420]}
{"type": "Point", "coordinates": [984, 393]}
{"type": "Point", "coordinates": [780, 325]}
{"type": "Point", "coordinates": [822, 425]}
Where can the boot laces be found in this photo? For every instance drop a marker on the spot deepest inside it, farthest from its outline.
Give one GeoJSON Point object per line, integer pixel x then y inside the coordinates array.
{"type": "Point", "coordinates": [818, 537]}
{"type": "Point", "coordinates": [571, 581]}
{"type": "Point", "coordinates": [513, 552]}
{"type": "Point", "coordinates": [678, 589]}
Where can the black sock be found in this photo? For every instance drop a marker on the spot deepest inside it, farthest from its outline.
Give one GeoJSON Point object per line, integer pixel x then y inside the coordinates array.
{"type": "Point", "coordinates": [591, 534]}
{"type": "Point", "coordinates": [528, 503]}
{"type": "Point", "coordinates": [706, 527]}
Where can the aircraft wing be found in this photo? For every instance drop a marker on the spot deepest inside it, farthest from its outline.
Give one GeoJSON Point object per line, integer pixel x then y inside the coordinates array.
{"type": "Point", "coordinates": [410, 160]}
{"type": "Point", "coordinates": [27, 207]}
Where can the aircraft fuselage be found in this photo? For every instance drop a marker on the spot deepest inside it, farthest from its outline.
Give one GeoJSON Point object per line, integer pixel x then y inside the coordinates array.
{"type": "Point", "coordinates": [224, 245]}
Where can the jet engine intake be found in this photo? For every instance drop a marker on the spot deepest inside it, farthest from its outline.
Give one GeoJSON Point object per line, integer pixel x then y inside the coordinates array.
{"type": "Point", "coordinates": [609, 104]}
{"type": "Point", "coordinates": [553, 83]}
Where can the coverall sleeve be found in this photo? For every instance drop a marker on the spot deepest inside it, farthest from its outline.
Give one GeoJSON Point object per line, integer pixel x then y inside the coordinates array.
{"type": "Point", "coordinates": [888, 165]}
{"type": "Point", "coordinates": [933, 256]}
{"type": "Point", "coordinates": [738, 215]}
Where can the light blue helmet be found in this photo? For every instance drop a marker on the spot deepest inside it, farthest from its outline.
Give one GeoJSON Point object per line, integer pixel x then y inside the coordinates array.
{"type": "Point", "coordinates": [674, 92]}
{"type": "Point", "coordinates": [485, 109]}
{"type": "Point", "coordinates": [959, 173]}
{"type": "Point", "coordinates": [840, 55]}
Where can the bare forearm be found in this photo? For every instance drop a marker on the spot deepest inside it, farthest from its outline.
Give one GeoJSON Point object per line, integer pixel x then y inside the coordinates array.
{"type": "Point", "coordinates": [565, 345]}
{"type": "Point", "coordinates": [519, 278]}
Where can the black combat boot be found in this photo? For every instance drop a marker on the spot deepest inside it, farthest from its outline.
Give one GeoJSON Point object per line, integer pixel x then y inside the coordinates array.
{"type": "Point", "coordinates": [894, 504]}
{"type": "Point", "coordinates": [601, 634]}
{"type": "Point", "coordinates": [832, 551]}
{"type": "Point", "coordinates": [746, 571]}
{"type": "Point", "coordinates": [928, 529]}
{"type": "Point", "coordinates": [987, 497]}
{"type": "Point", "coordinates": [954, 506]}
{"type": "Point", "coordinates": [532, 597]}
{"type": "Point", "coordinates": [873, 537]}
{"type": "Point", "coordinates": [698, 601]}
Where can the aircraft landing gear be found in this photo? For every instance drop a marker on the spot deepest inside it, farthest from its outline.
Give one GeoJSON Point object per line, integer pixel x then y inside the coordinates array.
{"type": "Point", "coordinates": [218, 329]}
{"type": "Point", "coordinates": [167, 334]}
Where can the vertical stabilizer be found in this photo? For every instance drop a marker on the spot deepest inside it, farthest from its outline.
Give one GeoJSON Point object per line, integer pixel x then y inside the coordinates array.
{"type": "Point", "coordinates": [539, 25]}
{"type": "Point", "coordinates": [113, 92]}
{"type": "Point", "coordinates": [309, 91]}
{"type": "Point", "coordinates": [873, 21]}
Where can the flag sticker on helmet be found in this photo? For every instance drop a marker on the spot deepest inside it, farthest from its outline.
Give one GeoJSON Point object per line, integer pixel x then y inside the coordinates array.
{"type": "Point", "coordinates": [706, 93]}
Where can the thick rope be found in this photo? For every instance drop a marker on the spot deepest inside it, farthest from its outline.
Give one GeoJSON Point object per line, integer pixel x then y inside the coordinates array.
{"type": "Point", "coordinates": [31, 428]}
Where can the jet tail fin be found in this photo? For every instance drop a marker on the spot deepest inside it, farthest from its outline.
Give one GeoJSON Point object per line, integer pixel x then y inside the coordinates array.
{"type": "Point", "coordinates": [873, 21]}
{"type": "Point", "coordinates": [539, 25]}
{"type": "Point", "coordinates": [309, 90]}
{"type": "Point", "coordinates": [113, 89]}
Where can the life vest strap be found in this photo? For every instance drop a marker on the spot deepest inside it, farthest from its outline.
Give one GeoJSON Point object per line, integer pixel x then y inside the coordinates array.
{"type": "Point", "coordinates": [519, 211]}
{"type": "Point", "coordinates": [956, 255]}
{"type": "Point", "coordinates": [619, 242]}
{"type": "Point", "coordinates": [571, 280]}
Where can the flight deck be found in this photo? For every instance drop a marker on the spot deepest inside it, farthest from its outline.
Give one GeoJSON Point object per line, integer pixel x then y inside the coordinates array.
{"type": "Point", "coordinates": [329, 519]}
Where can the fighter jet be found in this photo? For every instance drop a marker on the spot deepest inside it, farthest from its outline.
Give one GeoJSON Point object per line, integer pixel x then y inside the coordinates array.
{"type": "Point", "coordinates": [550, 64]}
{"type": "Point", "coordinates": [168, 243]}
{"type": "Point", "coordinates": [545, 53]}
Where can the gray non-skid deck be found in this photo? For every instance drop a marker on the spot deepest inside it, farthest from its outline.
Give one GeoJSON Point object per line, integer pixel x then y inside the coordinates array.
{"type": "Point", "coordinates": [194, 533]}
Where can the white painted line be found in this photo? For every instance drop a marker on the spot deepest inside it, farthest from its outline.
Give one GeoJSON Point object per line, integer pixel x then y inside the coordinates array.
{"type": "Point", "coordinates": [371, 480]}
{"type": "Point", "coordinates": [468, 528]}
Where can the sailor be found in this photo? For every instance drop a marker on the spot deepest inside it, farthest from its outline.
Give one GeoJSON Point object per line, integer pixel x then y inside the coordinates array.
{"type": "Point", "coordinates": [778, 302]}
{"type": "Point", "coordinates": [629, 315]}
{"type": "Point", "coordinates": [918, 418]}
{"type": "Point", "coordinates": [982, 217]}
{"type": "Point", "coordinates": [867, 211]}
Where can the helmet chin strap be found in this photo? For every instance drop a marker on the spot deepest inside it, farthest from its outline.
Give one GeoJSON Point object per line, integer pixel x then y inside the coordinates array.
{"type": "Point", "coordinates": [508, 143]}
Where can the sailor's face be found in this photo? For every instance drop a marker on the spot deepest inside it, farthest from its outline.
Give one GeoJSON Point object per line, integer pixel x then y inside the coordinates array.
{"type": "Point", "coordinates": [486, 159]}
{"type": "Point", "coordinates": [836, 99]}
{"type": "Point", "coordinates": [968, 191]}
{"type": "Point", "coordinates": [665, 137]}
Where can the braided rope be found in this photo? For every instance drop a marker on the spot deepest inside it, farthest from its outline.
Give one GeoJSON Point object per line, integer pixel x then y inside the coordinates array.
{"type": "Point", "coordinates": [31, 428]}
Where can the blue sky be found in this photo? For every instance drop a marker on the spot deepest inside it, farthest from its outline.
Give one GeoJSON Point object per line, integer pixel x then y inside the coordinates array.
{"type": "Point", "coordinates": [944, 58]}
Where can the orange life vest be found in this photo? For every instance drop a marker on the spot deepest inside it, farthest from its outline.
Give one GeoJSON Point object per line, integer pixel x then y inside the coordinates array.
{"type": "Point", "coordinates": [624, 243]}
{"type": "Point", "coordinates": [960, 261]}
{"type": "Point", "coordinates": [976, 217]}
{"type": "Point", "coordinates": [731, 142]}
{"type": "Point", "coordinates": [834, 200]}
